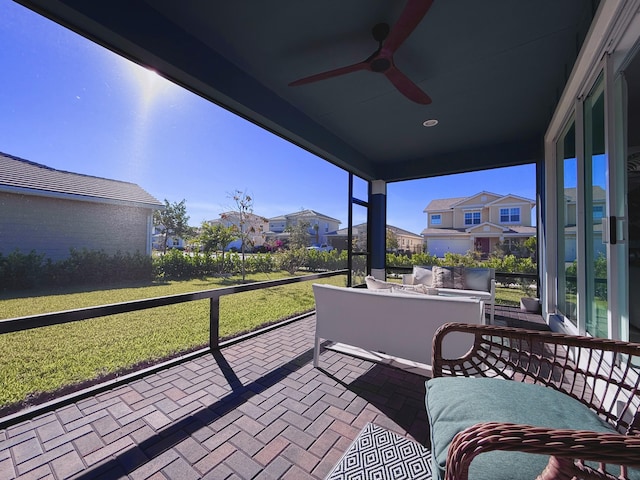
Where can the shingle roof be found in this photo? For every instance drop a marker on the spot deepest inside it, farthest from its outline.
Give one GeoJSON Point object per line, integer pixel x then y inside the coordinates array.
{"type": "Point", "coordinates": [23, 174]}
{"type": "Point", "coordinates": [396, 230]}
{"type": "Point", "coordinates": [306, 213]}
{"type": "Point", "coordinates": [443, 203]}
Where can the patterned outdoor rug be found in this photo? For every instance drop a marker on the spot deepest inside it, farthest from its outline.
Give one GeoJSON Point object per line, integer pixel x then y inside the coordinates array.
{"type": "Point", "coordinates": [378, 454]}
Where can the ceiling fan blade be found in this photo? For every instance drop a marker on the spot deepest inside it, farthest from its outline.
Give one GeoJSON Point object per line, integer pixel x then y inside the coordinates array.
{"type": "Point", "coordinates": [411, 16]}
{"type": "Point", "coordinates": [331, 73]}
{"type": "Point", "coordinates": [406, 86]}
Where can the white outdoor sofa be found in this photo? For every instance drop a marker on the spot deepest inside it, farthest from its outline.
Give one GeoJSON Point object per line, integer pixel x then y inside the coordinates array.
{"type": "Point", "coordinates": [397, 324]}
{"type": "Point", "coordinates": [477, 282]}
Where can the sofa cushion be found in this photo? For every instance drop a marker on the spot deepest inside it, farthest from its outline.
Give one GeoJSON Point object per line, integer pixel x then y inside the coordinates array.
{"type": "Point", "coordinates": [418, 289]}
{"type": "Point", "coordinates": [453, 292]}
{"type": "Point", "coordinates": [448, 277]}
{"type": "Point", "coordinates": [478, 279]}
{"type": "Point", "coordinates": [455, 403]}
{"type": "Point", "coordinates": [375, 284]}
{"type": "Point", "coordinates": [422, 276]}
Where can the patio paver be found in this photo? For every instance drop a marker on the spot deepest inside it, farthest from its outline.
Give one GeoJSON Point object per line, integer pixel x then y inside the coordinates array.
{"type": "Point", "coordinates": [257, 409]}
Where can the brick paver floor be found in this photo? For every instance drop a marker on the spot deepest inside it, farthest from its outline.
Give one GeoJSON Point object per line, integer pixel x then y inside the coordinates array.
{"type": "Point", "coordinates": [257, 409]}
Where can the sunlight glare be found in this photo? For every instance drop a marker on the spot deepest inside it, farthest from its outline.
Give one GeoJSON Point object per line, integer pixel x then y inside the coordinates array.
{"type": "Point", "coordinates": [150, 84]}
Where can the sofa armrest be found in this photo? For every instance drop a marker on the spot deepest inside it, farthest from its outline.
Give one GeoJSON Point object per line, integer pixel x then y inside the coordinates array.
{"type": "Point", "coordinates": [567, 448]}
{"type": "Point", "coordinates": [566, 363]}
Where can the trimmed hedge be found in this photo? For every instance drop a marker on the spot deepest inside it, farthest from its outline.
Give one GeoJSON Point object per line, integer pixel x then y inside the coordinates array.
{"type": "Point", "coordinates": [19, 271]}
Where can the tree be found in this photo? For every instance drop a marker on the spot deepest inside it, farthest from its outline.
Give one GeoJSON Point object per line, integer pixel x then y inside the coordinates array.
{"type": "Point", "coordinates": [298, 235]}
{"type": "Point", "coordinates": [531, 246]}
{"type": "Point", "coordinates": [392, 241]}
{"type": "Point", "coordinates": [215, 237]}
{"type": "Point", "coordinates": [248, 224]}
{"type": "Point", "coordinates": [174, 220]}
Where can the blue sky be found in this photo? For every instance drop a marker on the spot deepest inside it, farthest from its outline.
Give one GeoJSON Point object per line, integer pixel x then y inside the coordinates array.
{"type": "Point", "coordinates": [72, 105]}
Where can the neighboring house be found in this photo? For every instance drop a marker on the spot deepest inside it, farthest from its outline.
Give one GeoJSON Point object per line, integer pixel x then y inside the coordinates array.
{"type": "Point", "coordinates": [255, 226]}
{"type": "Point", "coordinates": [51, 211]}
{"type": "Point", "coordinates": [598, 208]}
{"type": "Point", "coordinates": [173, 241]}
{"type": "Point", "coordinates": [407, 241]}
{"type": "Point", "coordinates": [320, 226]}
{"type": "Point", "coordinates": [477, 223]}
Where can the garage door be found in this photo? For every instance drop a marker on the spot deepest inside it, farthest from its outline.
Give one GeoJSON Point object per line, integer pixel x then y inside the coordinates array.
{"type": "Point", "coordinates": [440, 246]}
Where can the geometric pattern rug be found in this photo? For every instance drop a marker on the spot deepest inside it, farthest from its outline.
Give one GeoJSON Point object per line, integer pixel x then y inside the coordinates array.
{"type": "Point", "coordinates": [379, 454]}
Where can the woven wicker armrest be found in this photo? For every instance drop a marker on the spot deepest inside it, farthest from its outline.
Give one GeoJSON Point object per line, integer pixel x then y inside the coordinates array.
{"type": "Point", "coordinates": [568, 450]}
{"type": "Point", "coordinates": [602, 374]}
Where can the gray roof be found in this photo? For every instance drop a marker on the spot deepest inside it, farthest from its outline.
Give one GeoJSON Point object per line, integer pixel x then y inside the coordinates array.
{"type": "Point", "coordinates": [448, 203]}
{"type": "Point", "coordinates": [304, 213]}
{"type": "Point", "coordinates": [443, 203]}
{"type": "Point", "coordinates": [598, 193]}
{"type": "Point", "coordinates": [396, 230]}
{"type": "Point", "coordinates": [508, 230]}
{"type": "Point", "coordinates": [17, 174]}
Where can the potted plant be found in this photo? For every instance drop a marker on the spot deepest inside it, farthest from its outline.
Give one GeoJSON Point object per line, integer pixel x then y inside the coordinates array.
{"type": "Point", "coordinates": [529, 303]}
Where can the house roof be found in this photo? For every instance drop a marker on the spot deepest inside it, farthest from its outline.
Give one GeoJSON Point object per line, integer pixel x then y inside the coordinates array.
{"type": "Point", "coordinates": [448, 203]}
{"type": "Point", "coordinates": [479, 194]}
{"type": "Point", "coordinates": [306, 213]}
{"type": "Point", "coordinates": [444, 232]}
{"type": "Point", "coordinates": [234, 214]}
{"type": "Point", "coordinates": [516, 230]}
{"type": "Point", "coordinates": [599, 193]}
{"type": "Point", "coordinates": [396, 230]}
{"type": "Point", "coordinates": [443, 204]}
{"type": "Point", "coordinates": [517, 198]}
{"type": "Point", "coordinates": [18, 175]}
{"type": "Point", "coordinates": [522, 229]}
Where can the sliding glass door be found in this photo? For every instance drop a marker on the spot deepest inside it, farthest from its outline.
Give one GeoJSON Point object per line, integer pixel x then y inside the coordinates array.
{"type": "Point", "coordinates": [595, 212]}
{"type": "Point", "coordinates": [567, 176]}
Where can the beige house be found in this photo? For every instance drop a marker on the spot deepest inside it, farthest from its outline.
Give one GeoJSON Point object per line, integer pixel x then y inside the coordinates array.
{"type": "Point", "coordinates": [320, 226]}
{"type": "Point", "coordinates": [52, 211]}
{"type": "Point", "coordinates": [407, 241]}
{"type": "Point", "coordinates": [477, 223]}
{"type": "Point", "coordinates": [254, 225]}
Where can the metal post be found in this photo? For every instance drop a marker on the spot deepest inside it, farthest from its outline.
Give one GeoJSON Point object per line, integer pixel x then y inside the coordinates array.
{"type": "Point", "coordinates": [214, 322]}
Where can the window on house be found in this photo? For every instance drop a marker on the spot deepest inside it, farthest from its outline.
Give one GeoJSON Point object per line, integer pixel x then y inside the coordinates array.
{"type": "Point", "coordinates": [598, 212]}
{"type": "Point", "coordinates": [510, 215]}
{"type": "Point", "coordinates": [472, 218]}
{"type": "Point", "coordinates": [436, 219]}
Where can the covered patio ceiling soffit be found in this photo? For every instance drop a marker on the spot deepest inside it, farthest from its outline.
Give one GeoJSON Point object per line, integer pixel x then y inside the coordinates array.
{"type": "Point", "coordinates": [493, 71]}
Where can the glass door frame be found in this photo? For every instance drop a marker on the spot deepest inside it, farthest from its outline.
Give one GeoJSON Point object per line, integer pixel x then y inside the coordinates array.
{"type": "Point", "coordinates": [617, 253]}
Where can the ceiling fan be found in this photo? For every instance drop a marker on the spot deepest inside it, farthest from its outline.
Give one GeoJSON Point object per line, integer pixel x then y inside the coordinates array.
{"type": "Point", "coordinates": [381, 61]}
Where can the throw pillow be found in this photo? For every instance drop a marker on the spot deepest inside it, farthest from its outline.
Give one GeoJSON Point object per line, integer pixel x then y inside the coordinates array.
{"type": "Point", "coordinates": [375, 284]}
{"type": "Point", "coordinates": [448, 277]}
{"type": "Point", "coordinates": [478, 279]}
{"type": "Point", "coordinates": [422, 276]}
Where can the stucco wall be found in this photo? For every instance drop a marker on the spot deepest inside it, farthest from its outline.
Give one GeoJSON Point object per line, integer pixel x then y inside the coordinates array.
{"type": "Point", "coordinates": [53, 226]}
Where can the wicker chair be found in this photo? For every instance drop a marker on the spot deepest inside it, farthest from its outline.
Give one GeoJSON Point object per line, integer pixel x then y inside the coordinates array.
{"type": "Point", "coordinates": [569, 364]}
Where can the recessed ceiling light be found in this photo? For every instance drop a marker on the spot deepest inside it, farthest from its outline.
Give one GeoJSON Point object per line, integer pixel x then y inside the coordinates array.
{"type": "Point", "coordinates": [430, 123]}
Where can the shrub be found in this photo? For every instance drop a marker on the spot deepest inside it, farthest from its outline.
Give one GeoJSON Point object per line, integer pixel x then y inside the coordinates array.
{"type": "Point", "coordinates": [19, 271]}
{"type": "Point", "coordinates": [291, 260]}
{"type": "Point", "coordinates": [24, 271]}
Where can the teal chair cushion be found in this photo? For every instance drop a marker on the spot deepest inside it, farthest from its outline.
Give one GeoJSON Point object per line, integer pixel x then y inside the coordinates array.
{"type": "Point", "coordinates": [455, 403]}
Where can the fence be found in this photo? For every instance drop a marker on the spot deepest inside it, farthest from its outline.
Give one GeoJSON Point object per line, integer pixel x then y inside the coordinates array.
{"type": "Point", "coordinates": [214, 295]}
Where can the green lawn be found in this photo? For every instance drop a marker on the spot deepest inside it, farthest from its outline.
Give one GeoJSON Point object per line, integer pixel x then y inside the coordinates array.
{"type": "Point", "coordinates": [509, 296]}
{"type": "Point", "coordinates": [47, 359]}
